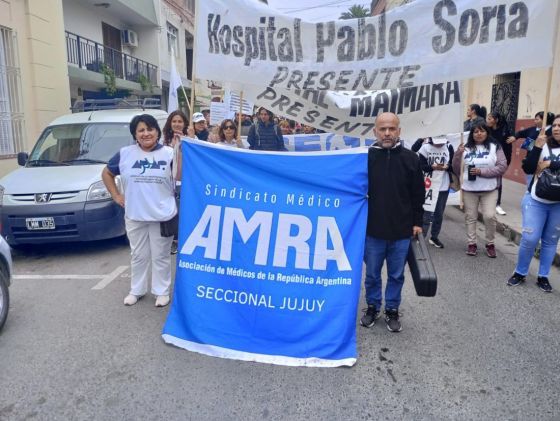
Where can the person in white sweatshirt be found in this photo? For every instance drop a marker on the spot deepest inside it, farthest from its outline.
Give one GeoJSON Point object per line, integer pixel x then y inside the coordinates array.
{"type": "Point", "coordinates": [484, 163]}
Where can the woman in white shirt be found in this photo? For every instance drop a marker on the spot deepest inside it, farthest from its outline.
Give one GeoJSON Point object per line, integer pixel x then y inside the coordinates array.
{"type": "Point", "coordinates": [148, 200]}
{"type": "Point", "coordinates": [484, 164]}
{"type": "Point", "coordinates": [541, 217]}
{"type": "Point", "coordinates": [227, 134]}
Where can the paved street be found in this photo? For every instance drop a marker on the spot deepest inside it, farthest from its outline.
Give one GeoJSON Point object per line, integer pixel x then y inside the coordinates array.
{"type": "Point", "coordinates": [479, 350]}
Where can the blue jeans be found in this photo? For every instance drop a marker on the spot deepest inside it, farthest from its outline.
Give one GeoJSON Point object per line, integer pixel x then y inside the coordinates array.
{"type": "Point", "coordinates": [541, 221]}
{"type": "Point", "coordinates": [378, 251]}
{"type": "Point", "coordinates": [436, 217]}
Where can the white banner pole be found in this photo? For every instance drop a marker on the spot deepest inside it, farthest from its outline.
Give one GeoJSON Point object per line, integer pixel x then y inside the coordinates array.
{"type": "Point", "coordinates": [549, 78]}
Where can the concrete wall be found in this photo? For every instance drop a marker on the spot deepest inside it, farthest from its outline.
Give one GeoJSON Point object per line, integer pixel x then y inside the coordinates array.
{"type": "Point", "coordinates": [86, 21]}
{"type": "Point", "coordinates": [42, 61]}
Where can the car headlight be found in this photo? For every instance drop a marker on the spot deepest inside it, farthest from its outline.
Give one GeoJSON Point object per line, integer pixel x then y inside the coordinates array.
{"type": "Point", "coordinates": [98, 191]}
{"type": "Point", "coordinates": [1, 194]}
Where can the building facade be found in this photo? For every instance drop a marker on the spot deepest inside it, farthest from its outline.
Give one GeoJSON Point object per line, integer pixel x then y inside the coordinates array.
{"type": "Point", "coordinates": [33, 74]}
{"type": "Point", "coordinates": [57, 52]}
{"type": "Point", "coordinates": [112, 48]}
{"type": "Point", "coordinates": [176, 37]}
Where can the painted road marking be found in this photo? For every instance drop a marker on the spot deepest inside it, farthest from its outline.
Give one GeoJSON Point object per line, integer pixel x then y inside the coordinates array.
{"type": "Point", "coordinates": [105, 279]}
{"type": "Point", "coordinates": [58, 276]}
{"type": "Point", "coordinates": [110, 278]}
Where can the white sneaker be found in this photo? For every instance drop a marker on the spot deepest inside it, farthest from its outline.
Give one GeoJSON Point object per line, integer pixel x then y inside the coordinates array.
{"type": "Point", "coordinates": [162, 300]}
{"type": "Point", "coordinates": [500, 211]}
{"type": "Point", "coordinates": [130, 300]}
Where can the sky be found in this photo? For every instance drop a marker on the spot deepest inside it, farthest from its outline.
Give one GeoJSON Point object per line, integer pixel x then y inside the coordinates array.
{"type": "Point", "coordinates": [316, 10]}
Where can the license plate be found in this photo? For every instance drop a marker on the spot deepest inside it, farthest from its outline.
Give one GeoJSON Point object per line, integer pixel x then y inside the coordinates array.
{"type": "Point", "coordinates": [46, 223]}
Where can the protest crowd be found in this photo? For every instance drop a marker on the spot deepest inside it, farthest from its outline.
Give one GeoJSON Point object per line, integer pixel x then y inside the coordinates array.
{"type": "Point", "coordinates": [475, 168]}
{"type": "Point", "coordinates": [404, 163]}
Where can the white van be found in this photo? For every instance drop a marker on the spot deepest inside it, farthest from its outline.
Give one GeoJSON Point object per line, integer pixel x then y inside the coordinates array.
{"type": "Point", "coordinates": [58, 195]}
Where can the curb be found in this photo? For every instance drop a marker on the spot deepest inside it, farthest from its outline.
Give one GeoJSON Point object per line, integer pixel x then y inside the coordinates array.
{"type": "Point", "coordinates": [514, 236]}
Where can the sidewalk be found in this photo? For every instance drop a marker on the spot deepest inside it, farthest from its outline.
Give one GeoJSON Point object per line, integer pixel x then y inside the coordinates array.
{"type": "Point", "coordinates": [510, 225]}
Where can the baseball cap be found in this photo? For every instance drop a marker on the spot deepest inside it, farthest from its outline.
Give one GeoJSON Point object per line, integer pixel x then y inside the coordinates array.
{"type": "Point", "coordinates": [198, 117]}
{"type": "Point", "coordinates": [439, 140]}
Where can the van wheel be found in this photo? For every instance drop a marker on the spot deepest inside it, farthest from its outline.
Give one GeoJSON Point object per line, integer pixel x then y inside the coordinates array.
{"type": "Point", "coordinates": [4, 297]}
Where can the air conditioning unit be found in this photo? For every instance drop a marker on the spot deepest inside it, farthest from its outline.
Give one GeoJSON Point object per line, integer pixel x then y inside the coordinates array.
{"type": "Point", "coordinates": [129, 38]}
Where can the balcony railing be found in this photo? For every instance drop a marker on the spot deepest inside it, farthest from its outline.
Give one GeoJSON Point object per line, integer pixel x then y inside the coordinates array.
{"type": "Point", "coordinates": [91, 55]}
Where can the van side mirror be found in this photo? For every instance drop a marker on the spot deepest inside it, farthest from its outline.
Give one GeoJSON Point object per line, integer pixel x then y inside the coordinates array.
{"type": "Point", "coordinates": [22, 158]}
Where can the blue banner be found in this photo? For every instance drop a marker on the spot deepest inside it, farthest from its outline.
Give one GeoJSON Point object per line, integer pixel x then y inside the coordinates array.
{"type": "Point", "coordinates": [270, 255]}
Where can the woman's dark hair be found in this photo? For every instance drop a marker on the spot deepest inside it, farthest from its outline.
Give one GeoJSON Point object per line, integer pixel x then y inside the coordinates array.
{"type": "Point", "coordinates": [479, 111]}
{"type": "Point", "coordinates": [223, 124]}
{"type": "Point", "coordinates": [270, 114]}
{"type": "Point", "coordinates": [168, 131]}
{"type": "Point", "coordinates": [550, 141]}
{"type": "Point", "coordinates": [148, 120]}
{"type": "Point", "coordinates": [489, 139]}
{"type": "Point", "coordinates": [501, 120]}
{"type": "Point", "coordinates": [549, 117]}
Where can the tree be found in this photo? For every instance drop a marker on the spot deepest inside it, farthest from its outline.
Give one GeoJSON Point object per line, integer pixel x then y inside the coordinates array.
{"type": "Point", "coordinates": [355, 11]}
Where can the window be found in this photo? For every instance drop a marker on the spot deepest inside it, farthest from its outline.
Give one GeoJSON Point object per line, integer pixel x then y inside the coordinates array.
{"type": "Point", "coordinates": [79, 144]}
{"type": "Point", "coordinates": [189, 42]}
{"type": "Point", "coordinates": [11, 107]}
{"type": "Point", "coordinates": [172, 44]}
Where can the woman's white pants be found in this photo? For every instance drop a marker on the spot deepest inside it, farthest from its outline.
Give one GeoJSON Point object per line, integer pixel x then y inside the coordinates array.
{"type": "Point", "coordinates": [148, 250]}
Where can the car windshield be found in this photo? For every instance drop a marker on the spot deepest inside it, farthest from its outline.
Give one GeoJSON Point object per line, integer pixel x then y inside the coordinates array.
{"type": "Point", "coordinates": [79, 144]}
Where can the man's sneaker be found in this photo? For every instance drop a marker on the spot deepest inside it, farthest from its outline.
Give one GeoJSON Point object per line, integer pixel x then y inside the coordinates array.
{"type": "Point", "coordinates": [542, 283]}
{"type": "Point", "coordinates": [392, 320]}
{"type": "Point", "coordinates": [436, 243]}
{"type": "Point", "coordinates": [500, 211]}
{"type": "Point", "coordinates": [370, 316]}
{"type": "Point", "coordinates": [471, 249]}
{"type": "Point", "coordinates": [515, 279]}
{"type": "Point", "coordinates": [491, 251]}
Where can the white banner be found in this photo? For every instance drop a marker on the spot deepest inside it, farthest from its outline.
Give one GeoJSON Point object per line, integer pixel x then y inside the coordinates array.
{"type": "Point", "coordinates": [174, 84]}
{"type": "Point", "coordinates": [423, 110]}
{"type": "Point", "coordinates": [232, 100]}
{"type": "Point", "coordinates": [218, 112]}
{"type": "Point", "coordinates": [432, 181]}
{"type": "Point", "coordinates": [427, 41]}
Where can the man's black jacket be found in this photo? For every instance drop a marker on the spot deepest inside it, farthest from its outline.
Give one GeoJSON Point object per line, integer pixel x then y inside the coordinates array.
{"type": "Point", "coordinates": [396, 193]}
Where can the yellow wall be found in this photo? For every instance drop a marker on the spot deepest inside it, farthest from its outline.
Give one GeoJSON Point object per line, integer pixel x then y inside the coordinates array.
{"type": "Point", "coordinates": [532, 89]}
{"type": "Point", "coordinates": [41, 48]}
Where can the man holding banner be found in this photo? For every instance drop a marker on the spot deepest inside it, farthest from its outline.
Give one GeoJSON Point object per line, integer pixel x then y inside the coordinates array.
{"type": "Point", "coordinates": [395, 212]}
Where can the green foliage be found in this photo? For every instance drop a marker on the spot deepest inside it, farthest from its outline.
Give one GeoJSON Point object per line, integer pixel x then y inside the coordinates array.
{"type": "Point", "coordinates": [110, 79]}
{"type": "Point", "coordinates": [182, 99]}
{"type": "Point", "coordinates": [355, 11]}
{"type": "Point", "coordinates": [145, 83]}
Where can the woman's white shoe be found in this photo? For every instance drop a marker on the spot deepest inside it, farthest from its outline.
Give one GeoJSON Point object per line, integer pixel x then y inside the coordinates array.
{"type": "Point", "coordinates": [162, 300]}
{"type": "Point", "coordinates": [130, 300]}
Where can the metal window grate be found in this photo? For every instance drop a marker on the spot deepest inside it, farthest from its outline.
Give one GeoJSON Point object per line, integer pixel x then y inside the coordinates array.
{"type": "Point", "coordinates": [505, 96]}
{"type": "Point", "coordinates": [507, 77]}
{"type": "Point", "coordinates": [12, 126]}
